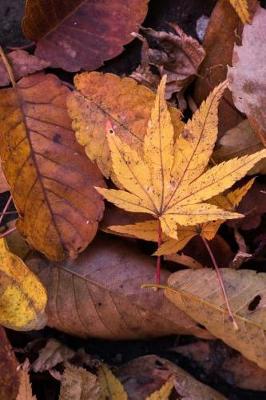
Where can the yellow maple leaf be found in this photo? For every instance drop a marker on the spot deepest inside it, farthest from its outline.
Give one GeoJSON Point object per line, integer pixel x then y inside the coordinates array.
{"type": "Point", "coordinates": [241, 8]}
{"type": "Point", "coordinates": [170, 180]}
{"type": "Point", "coordinates": [22, 296]}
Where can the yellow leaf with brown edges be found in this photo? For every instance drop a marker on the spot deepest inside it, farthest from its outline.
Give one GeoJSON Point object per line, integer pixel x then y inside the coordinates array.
{"type": "Point", "coordinates": [111, 387]}
{"type": "Point", "coordinates": [99, 98]}
{"type": "Point", "coordinates": [197, 292]}
{"type": "Point", "coordinates": [22, 296]}
{"type": "Point", "coordinates": [164, 392]}
{"type": "Point", "coordinates": [241, 8]}
{"type": "Point", "coordinates": [51, 180]}
{"type": "Point", "coordinates": [154, 185]}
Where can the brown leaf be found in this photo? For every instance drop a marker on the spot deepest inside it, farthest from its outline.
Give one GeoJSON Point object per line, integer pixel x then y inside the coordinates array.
{"type": "Point", "coordinates": [215, 358]}
{"type": "Point", "coordinates": [9, 380]}
{"type": "Point", "coordinates": [4, 186]}
{"type": "Point", "coordinates": [175, 54]}
{"type": "Point", "coordinates": [25, 390]}
{"type": "Point", "coordinates": [247, 76]}
{"type": "Point", "coordinates": [127, 105]}
{"type": "Point", "coordinates": [218, 43]}
{"type": "Point", "coordinates": [145, 375]}
{"type": "Point", "coordinates": [23, 64]}
{"type": "Point", "coordinates": [50, 178]}
{"type": "Point", "coordinates": [81, 34]}
{"type": "Point", "coordinates": [100, 295]}
{"type": "Point", "coordinates": [51, 354]}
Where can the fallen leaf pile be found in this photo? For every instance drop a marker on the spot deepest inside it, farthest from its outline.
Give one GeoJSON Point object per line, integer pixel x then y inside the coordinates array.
{"type": "Point", "coordinates": [132, 194]}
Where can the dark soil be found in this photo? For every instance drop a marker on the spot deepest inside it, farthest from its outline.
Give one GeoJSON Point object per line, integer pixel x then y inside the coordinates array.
{"type": "Point", "coordinates": [185, 13]}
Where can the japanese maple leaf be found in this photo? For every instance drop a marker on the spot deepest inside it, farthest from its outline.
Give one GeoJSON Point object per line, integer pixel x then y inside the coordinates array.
{"type": "Point", "coordinates": [169, 179]}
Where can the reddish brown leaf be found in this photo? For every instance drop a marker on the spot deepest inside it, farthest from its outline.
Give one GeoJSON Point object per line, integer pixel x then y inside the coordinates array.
{"type": "Point", "coordinates": [23, 64]}
{"type": "Point", "coordinates": [100, 295]}
{"type": "Point", "coordinates": [75, 34]}
{"type": "Point", "coordinates": [9, 376]}
{"type": "Point", "coordinates": [215, 358]}
{"type": "Point", "coordinates": [51, 180]}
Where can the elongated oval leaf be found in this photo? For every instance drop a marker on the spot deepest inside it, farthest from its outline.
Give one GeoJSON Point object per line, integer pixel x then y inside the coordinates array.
{"type": "Point", "coordinates": [22, 296]}
{"type": "Point", "coordinates": [199, 295]}
{"type": "Point", "coordinates": [50, 178]}
{"type": "Point", "coordinates": [75, 34]}
{"type": "Point", "coordinates": [100, 295]}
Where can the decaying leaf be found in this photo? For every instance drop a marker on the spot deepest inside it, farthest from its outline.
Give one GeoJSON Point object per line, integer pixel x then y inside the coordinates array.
{"type": "Point", "coordinates": [164, 392]}
{"type": "Point", "coordinates": [241, 7]}
{"type": "Point", "coordinates": [169, 181]}
{"type": "Point", "coordinates": [198, 294]}
{"type": "Point", "coordinates": [81, 34]}
{"type": "Point", "coordinates": [9, 375]}
{"type": "Point", "coordinates": [106, 97]}
{"type": "Point", "coordinates": [78, 384]}
{"type": "Point", "coordinates": [25, 391]}
{"type": "Point", "coordinates": [50, 178]}
{"type": "Point", "coordinates": [247, 77]}
{"type": "Point", "coordinates": [51, 354]}
{"type": "Point", "coordinates": [22, 296]}
{"type": "Point", "coordinates": [100, 295]}
{"type": "Point", "coordinates": [175, 54]}
{"type": "Point", "coordinates": [237, 142]}
{"type": "Point", "coordinates": [148, 230]}
{"type": "Point", "coordinates": [143, 376]}
{"type": "Point", "coordinates": [23, 64]}
{"type": "Point", "coordinates": [111, 387]}
{"type": "Point", "coordinates": [216, 359]}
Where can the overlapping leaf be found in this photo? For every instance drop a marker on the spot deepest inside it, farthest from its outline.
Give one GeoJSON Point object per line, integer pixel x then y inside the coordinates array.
{"type": "Point", "coordinates": [76, 34]}
{"type": "Point", "coordinates": [198, 294]}
{"type": "Point", "coordinates": [169, 181]}
{"type": "Point", "coordinates": [241, 7]}
{"type": "Point", "coordinates": [127, 105]}
{"type": "Point", "coordinates": [9, 376]}
{"type": "Point", "coordinates": [50, 178]}
{"type": "Point", "coordinates": [22, 296]}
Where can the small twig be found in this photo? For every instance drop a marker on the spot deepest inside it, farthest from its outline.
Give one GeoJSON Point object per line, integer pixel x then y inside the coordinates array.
{"type": "Point", "coordinates": [5, 209]}
{"type": "Point", "coordinates": [8, 67]}
{"type": "Point", "coordinates": [221, 282]}
{"type": "Point", "coordinates": [158, 264]}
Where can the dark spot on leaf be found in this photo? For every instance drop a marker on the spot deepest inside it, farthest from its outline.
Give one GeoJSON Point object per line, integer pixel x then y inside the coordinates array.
{"type": "Point", "coordinates": [254, 303]}
{"type": "Point", "coordinates": [57, 138]}
{"type": "Point", "coordinates": [99, 304]}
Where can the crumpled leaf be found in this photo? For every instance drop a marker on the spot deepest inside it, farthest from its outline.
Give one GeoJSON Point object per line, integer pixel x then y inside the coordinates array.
{"type": "Point", "coordinates": [144, 375]}
{"type": "Point", "coordinates": [169, 182]}
{"type": "Point", "coordinates": [25, 390]}
{"type": "Point", "coordinates": [247, 77]}
{"type": "Point", "coordinates": [148, 230]}
{"type": "Point", "coordinates": [106, 97]}
{"type": "Point", "coordinates": [22, 296]}
{"type": "Point", "coordinates": [198, 294]}
{"type": "Point", "coordinates": [241, 8]}
{"type": "Point", "coordinates": [52, 354]}
{"type": "Point", "coordinates": [81, 34]}
{"type": "Point", "coordinates": [50, 179]}
{"type": "Point", "coordinates": [78, 384]}
{"type": "Point", "coordinates": [237, 142]}
{"type": "Point", "coordinates": [111, 387]}
{"type": "Point", "coordinates": [216, 359]}
{"type": "Point", "coordinates": [100, 295]}
{"type": "Point", "coordinates": [175, 54]}
{"type": "Point", "coordinates": [9, 376]}
{"type": "Point", "coordinates": [23, 64]}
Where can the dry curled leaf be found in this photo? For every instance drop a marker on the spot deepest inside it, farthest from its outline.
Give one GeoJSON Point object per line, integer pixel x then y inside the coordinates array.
{"type": "Point", "coordinates": [81, 34]}
{"type": "Point", "coordinates": [216, 359]}
{"type": "Point", "coordinates": [78, 384]}
{"type": "Point", "coordinates": [175, 54]}
{"type": "Point", "coordinates": [145, 375]}
{"type": "Point", "coordinates": [50, 178]}
{"type": "Point", "coordinates": [51, 354]}
{"type": "Point", "coordinates": [198, 294]}
{"type": "Point", "coordinates": [100, 295]}
{"type": "Point", "coordinates": [247, 77]}
{"type": "Point", "coordinates": [9, 375]}
{"type": "Point", "coordinates": [170, 180]}
{"type": "Point", "coordinates": [106, 97]}
{"type": "Point", "coordinates": [25, 390]}
{"type": "Point", "coordinates": [23, 64]}
{"type": "Point", "coordinates": [22, 296]}
{"type": "Point", "coordinates": [111, 387]}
